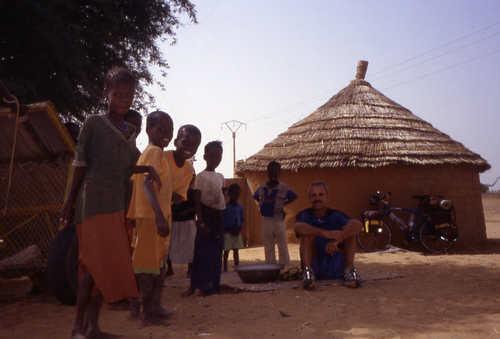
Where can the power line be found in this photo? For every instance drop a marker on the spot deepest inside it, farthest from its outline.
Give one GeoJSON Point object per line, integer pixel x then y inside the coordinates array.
{"type": "Point", "coordinates": [310, 100]}
{"type": "Point", "coordinates": [423, 62]}
{"type": "Point", "coordinates": [435, 49]}
{"type": "Point", "coordinates": [297, 105]}
{"type": "Point", "coordinates": [442, 70]}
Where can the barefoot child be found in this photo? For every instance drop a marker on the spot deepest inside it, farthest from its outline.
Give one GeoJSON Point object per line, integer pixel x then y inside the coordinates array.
{"type": "Point", "coordinates": [183, 231]}
{"type": "Point", "coordinates": [151, 211]}
{"type": "Point", "coordinates": [233, 218]}
{"type": "Point", "coordinates": [272, 197]}
{"type": "Point", "coordinates": [104, 161]}
{"type": "Point", "coordinates": [209, 242]}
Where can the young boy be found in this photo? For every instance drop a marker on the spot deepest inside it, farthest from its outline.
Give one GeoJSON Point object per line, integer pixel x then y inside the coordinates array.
{"type": "Point", "coordinates": [183, 233]}
{"type": "Point", "coordinates": [135, 118]}
{"type": "Point", "coordinates": [272, 196]}
{"type": "Point", "coordinates": [233, 218]}
{"type": "Point", "coordinates": [209, 241]}
{"type": "Point", "coordinates": [151, 210]}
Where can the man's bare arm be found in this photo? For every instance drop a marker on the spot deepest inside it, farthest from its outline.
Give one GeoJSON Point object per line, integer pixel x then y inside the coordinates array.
{"type": "Point", "coordinates": [302, 228]}
{"type": "Point", "coordinates": [351, 229]}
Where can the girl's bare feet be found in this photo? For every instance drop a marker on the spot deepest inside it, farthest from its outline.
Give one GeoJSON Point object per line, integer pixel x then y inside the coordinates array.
{"type": "Point", "coordinates": [161, 312]}
{"type": "Point", "coordinates": [152, 320]}
{"type": "Point", "coordinates": [188, 293]}
{"type": "Point", "coordinates": [204, 293]}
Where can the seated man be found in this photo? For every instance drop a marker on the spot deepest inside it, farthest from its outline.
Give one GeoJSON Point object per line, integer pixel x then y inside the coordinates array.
{"type": "Point", "coordinates": [327, 240]}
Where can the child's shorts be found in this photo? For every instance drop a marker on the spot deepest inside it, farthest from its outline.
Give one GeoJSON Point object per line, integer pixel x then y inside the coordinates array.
{"type": "Point", "coordinates": [232, 242]}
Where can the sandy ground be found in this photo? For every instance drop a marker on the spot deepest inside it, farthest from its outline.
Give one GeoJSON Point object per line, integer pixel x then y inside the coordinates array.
{"type": "Point", "coordinates": [433, 296]}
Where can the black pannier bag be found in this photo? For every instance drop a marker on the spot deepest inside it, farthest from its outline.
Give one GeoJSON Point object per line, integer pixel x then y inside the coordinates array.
{"type": "Point", "coordinates": [441, 213]}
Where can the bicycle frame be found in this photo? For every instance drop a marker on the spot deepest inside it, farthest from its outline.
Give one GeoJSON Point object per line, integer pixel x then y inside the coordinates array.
{"type": "Point", "coordinates": [411, 232]}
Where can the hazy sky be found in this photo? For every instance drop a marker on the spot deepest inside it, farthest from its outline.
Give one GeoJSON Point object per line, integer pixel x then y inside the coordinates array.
{"type": "Point", "coordinates": [269, 64]}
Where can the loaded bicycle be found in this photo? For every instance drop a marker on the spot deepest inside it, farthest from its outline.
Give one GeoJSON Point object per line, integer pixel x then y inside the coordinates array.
{"type": "Point", "coordinates": [432, 223]}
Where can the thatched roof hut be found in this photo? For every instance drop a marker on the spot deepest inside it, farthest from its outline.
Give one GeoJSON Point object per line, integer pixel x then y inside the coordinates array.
{"type": "Point", "coordinates": [365, 140]}
{"type": "Point", "coordinates": [360, 127]}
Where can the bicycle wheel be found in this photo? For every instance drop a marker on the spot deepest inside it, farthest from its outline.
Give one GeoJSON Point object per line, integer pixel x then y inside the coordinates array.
{"type": "Point", "coordinates": [431, 240]}
{"type": "Point", "coordinates": [376, 240]}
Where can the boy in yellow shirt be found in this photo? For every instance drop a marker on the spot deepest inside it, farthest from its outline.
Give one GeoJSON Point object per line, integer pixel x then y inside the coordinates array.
{"type": "Point", "coordinates": [151, 210]}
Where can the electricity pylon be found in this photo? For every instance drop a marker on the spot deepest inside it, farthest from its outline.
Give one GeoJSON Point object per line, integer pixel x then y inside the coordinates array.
{"type": "Point", "coordinates": [235, 127]}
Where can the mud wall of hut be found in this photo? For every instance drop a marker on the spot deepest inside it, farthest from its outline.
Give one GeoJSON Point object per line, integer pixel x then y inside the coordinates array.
{"type": "Point", "coordinates": [350, 190]}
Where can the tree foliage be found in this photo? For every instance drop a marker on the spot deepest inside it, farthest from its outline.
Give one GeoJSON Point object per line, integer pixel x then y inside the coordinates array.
{"type": "Point", "coordinates": [60, 50]}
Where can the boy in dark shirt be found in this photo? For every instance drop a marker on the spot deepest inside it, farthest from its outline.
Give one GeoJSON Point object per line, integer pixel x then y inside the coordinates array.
{"type": "Point", "coordinates": [233, 218]}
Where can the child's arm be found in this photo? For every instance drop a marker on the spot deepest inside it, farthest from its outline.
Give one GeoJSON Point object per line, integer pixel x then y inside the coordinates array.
{"type": "Point", "coordinates": [186, 212]}
{"type": "Point", "coordinates": [290, 196]}
{"type": "Point", "coordinates": [242, 221]}
{"type": "Point", "coordinates": [177, 198]}
{"type": "Point", "coordinates": [256, 195]}
{"type": "Point", "coordinates": [242, 218]}
{"type": "Point", "coordinates": [152, 173]}
{"type": "Point", "coordinates": [202, 228]}
{"type": "Point", "coordinates": [76, 182]}
{"type": "Point", "coordinates": [161, 222]}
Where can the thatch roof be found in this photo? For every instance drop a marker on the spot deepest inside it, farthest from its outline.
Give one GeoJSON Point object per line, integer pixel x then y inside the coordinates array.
{"type": "Point", "coordinates": [359, 127]}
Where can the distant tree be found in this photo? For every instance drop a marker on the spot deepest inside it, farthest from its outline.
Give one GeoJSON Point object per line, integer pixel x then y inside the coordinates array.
{"type": "Point", "coordinates": [60, 50]}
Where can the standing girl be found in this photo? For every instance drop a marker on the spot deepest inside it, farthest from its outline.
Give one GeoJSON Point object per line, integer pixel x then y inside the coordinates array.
{"type": "Point", "coordinates": [104, 161]}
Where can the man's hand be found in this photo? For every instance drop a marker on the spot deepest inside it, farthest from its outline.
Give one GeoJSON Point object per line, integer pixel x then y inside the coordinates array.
{"type": "Point", "coordinates": [332, 247]}
{"type": "Point", "coordinates": [163, 227]}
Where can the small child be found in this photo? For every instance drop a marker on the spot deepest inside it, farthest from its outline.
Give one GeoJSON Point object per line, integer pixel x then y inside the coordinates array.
{"type": "Point", "coordinates": [151, 211]}
{"type": "Point", "coordinates": [135, 118]}
{"type": "Point", "coordinates": [73, 130]}
{"type": "Point", "coordinates": [104, 161]}
{"type": "Point", "coordinates": [183, 230]}
{"type": "Point", "coordinates": [233, 218]}
{"type": "Point", "coordinates": [272, 197]}
{"type": "Point", "coordinates": [209, 241]}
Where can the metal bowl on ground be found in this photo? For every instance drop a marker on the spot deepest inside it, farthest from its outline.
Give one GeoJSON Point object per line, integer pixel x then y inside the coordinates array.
{"type": "Point", "coordinates": [259, 273]}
